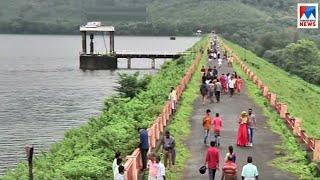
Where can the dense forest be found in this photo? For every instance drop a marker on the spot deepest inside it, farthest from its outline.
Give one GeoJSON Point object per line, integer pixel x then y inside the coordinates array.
{"type": "Point", "coordinates": [265, 27]}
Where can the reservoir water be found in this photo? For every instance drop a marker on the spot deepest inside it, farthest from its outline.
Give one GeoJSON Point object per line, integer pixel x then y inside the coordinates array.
{"type": "Point", "coordinates": [43, 93]}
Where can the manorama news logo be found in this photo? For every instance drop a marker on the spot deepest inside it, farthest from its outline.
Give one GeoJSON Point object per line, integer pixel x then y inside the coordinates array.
{"type": "Point", "coordinates": [307, 15]}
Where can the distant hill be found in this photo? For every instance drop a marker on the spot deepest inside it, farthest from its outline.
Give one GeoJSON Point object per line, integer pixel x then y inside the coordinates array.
{"type": "Point", "coordinates": [132, 16]}
{"type": "Point", "coordinates": [60, 16]}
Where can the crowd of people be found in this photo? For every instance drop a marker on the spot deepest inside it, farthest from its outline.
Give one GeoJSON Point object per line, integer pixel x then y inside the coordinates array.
{"type": "Point", "coordinates": [153, 163]}
{"type": "Point", "coordinates": [215, 84]}
{"type": "Point", "coordinates": [117, 167]}
{"type": "Point", "coordinates": [150, 161]}
{"type": "Point", "coordinates": [212, 82]}
{"type": "Point", "coordinates": [247, 125]}
{"type": "Point", "coordinates": [229, 169]}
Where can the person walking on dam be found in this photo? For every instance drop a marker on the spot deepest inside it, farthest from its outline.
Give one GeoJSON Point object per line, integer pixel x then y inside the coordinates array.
{"type": "Point", "coordinates": [144, 147]}
{"type": "Point", "coordinates": [204, 91]}
{"type": "Point", "coordinates": [116, 157]}
{"type": "Point", "coordinates": [153, 167]}
{"type": "Point", "coordinates": [116, 169]}
{"type": "Point", "coordinates": [173, 99]}
{"type": "Point", "coordinates": [212, 160]}
{"type": "Point", "coordinates": [224, 82]}
{"type": "Point", "coordinates": [251, 126]}
{"type": "Point", "coordinates": [215, 71]}
{"type": "Point", "coordinates": [229, 170]}
{"type": "Point", "coordinates": [168, 147]}
{"type": "Point", "coordinates": [120, 175]}
{"type": "Point", "coordinates": [242, 138]}
{"type": "Point", "coordinates": [231, 153]}
{"type": "Point", "coordinates": [219, 62]}
{"type": "Point", "coordinates": [217, 90]}
{"type": "Point", "coordinates": [231, 85]}
{"type": "Point", "coordinates": [206, 123]}
{"type": "Point", "coordinates": [211, 90]}
{"type": "Point", "coordinates": [217, 124]}
{"type": "Point", "coordinates": [250, 171]}
{"type": "Point", "coordinates": [161, 169]}
{"type": "Point", "coordinates": [203, 71]}
{"type": "Point", "coordinates": [239, 84]}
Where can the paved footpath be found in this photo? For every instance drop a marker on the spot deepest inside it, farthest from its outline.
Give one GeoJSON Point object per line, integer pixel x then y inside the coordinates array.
{"type": "Point", "coordinates": [230, 109]}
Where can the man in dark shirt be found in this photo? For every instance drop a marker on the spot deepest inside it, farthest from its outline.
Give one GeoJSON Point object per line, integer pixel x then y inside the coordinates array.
{"type": "Point", "coordinates": [144, 147]}
{"type": "Point", "coordinates": [168, 146]}
{"type": "Point", "coordinates": [215, 71]}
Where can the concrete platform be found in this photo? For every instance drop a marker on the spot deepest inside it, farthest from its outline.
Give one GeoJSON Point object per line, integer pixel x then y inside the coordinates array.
{"type": "Point", "coordinates": [98, 62]}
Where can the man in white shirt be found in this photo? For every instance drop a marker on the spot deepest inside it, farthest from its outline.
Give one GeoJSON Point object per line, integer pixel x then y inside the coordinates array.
{"type": "Point", "coordinates": [173, 99]}
{"type": "Point", "coordinates": [116, 156]}
{"type": "Point", "coordinates": [120, 175]}
{"type": "Point", "coordinates": [116, 169]}
{"type": "Point", "coordinates": [219, 62]}
{"type": "Point", "coordinates": [249, 171]}
{"type": "Point", "coordinates": [214, 56]}
{"type": "Point", "coordinates": [231, 84]}
{"type": "Point", "coordinates": [162, 170]}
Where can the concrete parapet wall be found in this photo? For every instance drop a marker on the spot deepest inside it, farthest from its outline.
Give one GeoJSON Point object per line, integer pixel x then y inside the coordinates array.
{"type": "Point", "coordinates": [133, 163]}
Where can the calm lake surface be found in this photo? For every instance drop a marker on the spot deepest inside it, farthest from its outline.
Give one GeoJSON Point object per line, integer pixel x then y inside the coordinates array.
{"type": "Point", "coordinates": [43, 93]}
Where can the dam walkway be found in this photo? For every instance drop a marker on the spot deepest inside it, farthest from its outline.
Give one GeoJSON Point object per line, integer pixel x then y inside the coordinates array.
{"type": "Point", "coordinates": [230, 108]}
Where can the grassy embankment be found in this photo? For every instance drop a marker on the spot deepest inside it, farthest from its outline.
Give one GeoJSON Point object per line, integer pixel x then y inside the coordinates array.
{"type": "Point", "coordinates": [87, 152]}
{"type": "Point", "coordinates": [300, 97]}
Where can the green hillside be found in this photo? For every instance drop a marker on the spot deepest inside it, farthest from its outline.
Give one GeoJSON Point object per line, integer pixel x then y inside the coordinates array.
{"type": "Point", "coordinates": [156, 17]}
{"type": "Point", "coordinates": [265, 27]}
{"type": "Point", "coordinates": [190, 15]}
{"type": "Point", "coordinates": [303, 99]}
{"type": "Point", "coordinates": [59, 16]}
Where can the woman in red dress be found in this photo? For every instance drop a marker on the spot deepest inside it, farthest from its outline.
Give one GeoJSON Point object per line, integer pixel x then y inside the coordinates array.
{"type": "Point", "coordinates": [242, 139]}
